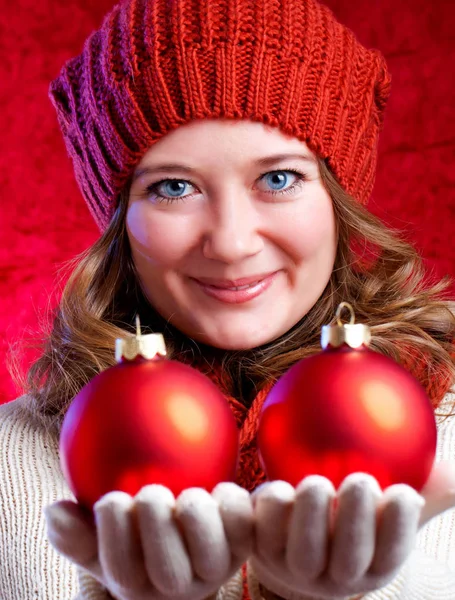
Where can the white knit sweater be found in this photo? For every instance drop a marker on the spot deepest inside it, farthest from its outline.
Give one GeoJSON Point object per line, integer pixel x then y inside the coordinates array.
{"type": "Point", "coordinates": [31, 478]}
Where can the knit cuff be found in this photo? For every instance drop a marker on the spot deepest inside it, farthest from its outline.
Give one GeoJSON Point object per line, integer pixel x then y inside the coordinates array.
{"type": "Point", "coordinates": [90, 588]}
{"type": "Point", "coordinates": [268, 595]}
{"type": "Point", "coordinates": [274, 590]}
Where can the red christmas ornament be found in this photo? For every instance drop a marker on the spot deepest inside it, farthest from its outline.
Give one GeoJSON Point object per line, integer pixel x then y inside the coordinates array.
{"type": "Point", "coordinates": [147, 420]}
{"type": "Point", "coordinates": [345, 410]}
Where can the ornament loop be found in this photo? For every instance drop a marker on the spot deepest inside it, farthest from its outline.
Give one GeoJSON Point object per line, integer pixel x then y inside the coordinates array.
{"type": "Point", "coordinates": [350, 334]}
{"type": "Point", "coordinates": [138, 326]}
{"type": "Point", "coordinates": [148, 346]}
{"type": "Point", "coordinates": [338, 313]}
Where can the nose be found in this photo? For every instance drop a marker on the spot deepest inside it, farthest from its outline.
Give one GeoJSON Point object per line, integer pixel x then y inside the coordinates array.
{"type": "Point", "coordinates": [233, 231]}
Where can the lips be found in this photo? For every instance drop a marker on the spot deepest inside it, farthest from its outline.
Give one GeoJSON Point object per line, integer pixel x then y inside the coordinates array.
{"type": "Point", "coordinates": [235, 291]}
{"type": "Point", "coordinates": [233, 283]}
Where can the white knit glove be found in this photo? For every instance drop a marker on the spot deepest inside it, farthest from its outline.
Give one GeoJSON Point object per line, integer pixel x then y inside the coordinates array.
{"type": "Point", "coordinates": [305, 548]}
{"type": "Point", "coordinates": [156, 547]}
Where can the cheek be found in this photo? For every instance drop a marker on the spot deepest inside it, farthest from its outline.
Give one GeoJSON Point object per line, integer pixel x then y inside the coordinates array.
{"type": "Point", "coordinates": [156, 237]}
{"type": "Point", "coordinates": [310, 229]}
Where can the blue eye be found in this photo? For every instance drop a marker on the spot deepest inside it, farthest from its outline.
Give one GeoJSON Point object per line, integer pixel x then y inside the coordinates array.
{"type": "Point", "coordinates": [282, 182]}
{"type": "Point", "coordinates": [277, 180]}
{"type": "Point", "coordinates": [173, 188]}
{"type": "Point", "coordinates": [170, 190]}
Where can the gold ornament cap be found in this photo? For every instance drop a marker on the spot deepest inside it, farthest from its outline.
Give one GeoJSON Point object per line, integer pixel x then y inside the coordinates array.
{"type": "Point", "coordinates": [147, 346]}
{"type": "Point", "coordinates": [352, 334]}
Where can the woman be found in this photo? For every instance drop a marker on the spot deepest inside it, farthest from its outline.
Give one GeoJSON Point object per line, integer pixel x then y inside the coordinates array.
{"type": "Point", "coordinates": [226, 150]}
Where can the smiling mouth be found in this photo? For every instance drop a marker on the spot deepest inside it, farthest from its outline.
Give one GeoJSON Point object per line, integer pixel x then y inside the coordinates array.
{"type": "Point", "coordinates": [236, 287]}
{"type": "Point", "coordinates": [236, 292]}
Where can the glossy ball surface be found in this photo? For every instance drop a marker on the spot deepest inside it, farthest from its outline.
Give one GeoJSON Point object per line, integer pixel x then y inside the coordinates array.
{"type": "Point", "coordinates": [344, 411]}
{"type": "Point", "coordinates": [148, 421]}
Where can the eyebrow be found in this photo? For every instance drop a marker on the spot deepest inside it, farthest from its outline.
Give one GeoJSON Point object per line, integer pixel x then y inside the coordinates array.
{"type": "Point", "coordinates": [261, 162]}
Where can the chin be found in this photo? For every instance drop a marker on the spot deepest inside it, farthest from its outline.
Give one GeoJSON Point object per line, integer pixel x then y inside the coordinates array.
{"type": "Point", "coordinates": [237, 343]}
{"type": "Point", "coordinates": [233, 346]}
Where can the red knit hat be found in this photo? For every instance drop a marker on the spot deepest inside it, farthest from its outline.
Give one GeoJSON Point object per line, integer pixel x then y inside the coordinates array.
{"type": "Point", "coordinates": [158, 64]}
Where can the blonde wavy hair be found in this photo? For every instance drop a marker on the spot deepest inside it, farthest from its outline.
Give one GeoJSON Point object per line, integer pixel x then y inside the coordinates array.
{"type": "Point", "coordinates": [376, 270]}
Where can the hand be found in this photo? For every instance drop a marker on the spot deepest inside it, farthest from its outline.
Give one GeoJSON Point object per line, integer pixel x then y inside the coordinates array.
{"type": "Point", "coordinates": [312, 541]}
{"type": "Point", "coordinates": [152, 546]}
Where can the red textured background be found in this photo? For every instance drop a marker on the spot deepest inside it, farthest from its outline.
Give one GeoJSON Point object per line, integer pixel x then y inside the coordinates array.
{"type": "Point", "coordinates": [44, 221]}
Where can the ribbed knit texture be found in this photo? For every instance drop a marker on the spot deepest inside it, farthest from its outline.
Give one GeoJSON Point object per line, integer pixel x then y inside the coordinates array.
{"type": "Point", "coordinates": [30, 478]}
{"type": "Point", "coordinates": [158, 64]}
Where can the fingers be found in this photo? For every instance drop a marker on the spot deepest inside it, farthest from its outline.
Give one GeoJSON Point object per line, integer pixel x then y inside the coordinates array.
{"type": "Point", "coordinates": [198, 513]}
{"type": "Point", "coordinates": [354, 538]}
{"type": "Point", "coordinates": [397, 529]}
{"type": "Point", "coordinates": [439, 491]}
{"type": "Point", "coordinates": [166, 558]}
{"type": "Point", "coordinates": [330, 541]}
{"type": "Point", "coordinates": [119, 546]}
{"type": "Point", "coordinates": [153, 541]}
{"type": "Point", "coordinates": [236, 510]}
{"type": "Point", "coordinates": [309, 527]}
{"type": "Point", "coordinates": [70, 533]}
{"type": "Point", "coordinates": [272, 503]}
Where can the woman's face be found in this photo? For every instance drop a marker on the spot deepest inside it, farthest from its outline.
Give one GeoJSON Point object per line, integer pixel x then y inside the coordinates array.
{"type": "Point", "coordinates": [231, 230]}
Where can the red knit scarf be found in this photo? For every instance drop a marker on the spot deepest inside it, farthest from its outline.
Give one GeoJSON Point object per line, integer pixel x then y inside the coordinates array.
{"type": "Point", "coordinates": [250, 473]}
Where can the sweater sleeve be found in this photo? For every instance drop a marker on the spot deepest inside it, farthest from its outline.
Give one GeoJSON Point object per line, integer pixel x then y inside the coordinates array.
{"type": "Point", "coordinates": [429, 572]}
{"type": "Point", "coordinates": [421, 578]}
{"type": "Point", "coordinates": [90, 589]}
{"type": "Point", "coordinates": [30, 479]}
